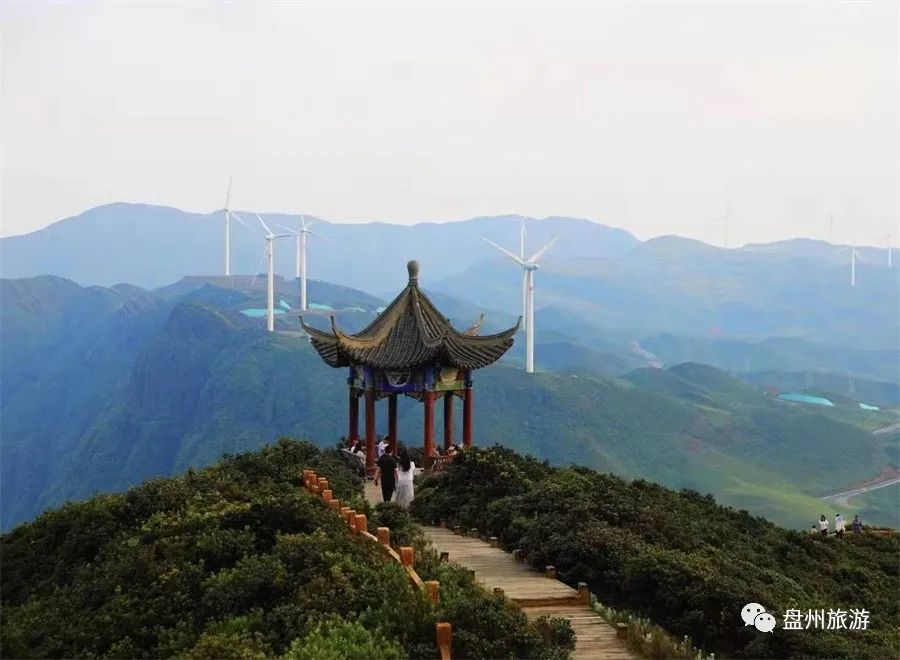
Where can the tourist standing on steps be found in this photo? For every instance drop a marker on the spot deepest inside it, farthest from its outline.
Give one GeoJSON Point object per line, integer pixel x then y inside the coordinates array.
{"type": "Point", "coordinates": [387, 474]}
{"type": "Point", "coordinates": [839, 525]}
{"type": "Point", "coordinates": [856, 525]}
{"type": "Point", "coordinates": [823, 525]}
{"type": "Point", "coordinates": [405, 492]}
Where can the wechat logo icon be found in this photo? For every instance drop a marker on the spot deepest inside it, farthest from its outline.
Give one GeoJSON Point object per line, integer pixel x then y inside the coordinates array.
{"type": "Point", "coordinates": [755, 614]}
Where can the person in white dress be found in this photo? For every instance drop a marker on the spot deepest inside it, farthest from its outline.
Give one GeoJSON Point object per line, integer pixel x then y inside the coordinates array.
{"type": "Point", "coordinates": [405, 493]}
{"type": "Point", "coordinates": [839, 525]}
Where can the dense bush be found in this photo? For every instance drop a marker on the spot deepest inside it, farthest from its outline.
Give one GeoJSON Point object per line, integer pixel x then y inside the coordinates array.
{"type": "Point", "coordinates": [340, 640]}
{"type": "Point", "coordinates": [231, 561]}
{"type": "Point", "coordinates": [676, 557]}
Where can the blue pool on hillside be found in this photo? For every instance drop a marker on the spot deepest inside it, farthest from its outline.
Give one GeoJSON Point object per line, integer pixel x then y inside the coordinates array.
{"type": "Point", "coordinates": [796, 397]}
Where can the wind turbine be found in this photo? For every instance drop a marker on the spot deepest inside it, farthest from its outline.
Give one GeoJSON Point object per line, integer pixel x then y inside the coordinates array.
{"type": "Point", "coordinates": [524, 273]}
{"type": "Point", "coordinates": [528, 266]}
{"type": "Point", "coordinates": [300, 266]}
{"type": "Point", "coordinates": [270, 282]}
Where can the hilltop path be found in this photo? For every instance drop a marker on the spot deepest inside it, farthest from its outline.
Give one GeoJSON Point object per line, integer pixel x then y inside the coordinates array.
{"type": "Point", "coordinates": [843, 498]}
{"type": "Point", "coordinates": [887, 477]}
{"type": "Point", "coordinates": [534, 592]}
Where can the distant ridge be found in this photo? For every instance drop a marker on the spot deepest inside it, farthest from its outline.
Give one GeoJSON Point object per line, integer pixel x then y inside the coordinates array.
{"type": "Point", "coordinates": [602, 276]}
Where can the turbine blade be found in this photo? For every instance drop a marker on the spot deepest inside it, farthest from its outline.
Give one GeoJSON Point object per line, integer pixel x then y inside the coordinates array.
{"type": "Point", "coordinates": [327, 240]}
{"type": "Point", "coordinates": [228, 196]}
{"type": "Point", "coordinates": [293, 231]}
{"type": "Point", "coordinates": [504, 251]}
{"type": "Point", "coordinates": [238, 218]}
{"type": "Point", "coordinates": [540, 253]}
{"type": "Point", "coordinates": [263, 223]}
{"type": "Point", "coordinates": [256, 272]}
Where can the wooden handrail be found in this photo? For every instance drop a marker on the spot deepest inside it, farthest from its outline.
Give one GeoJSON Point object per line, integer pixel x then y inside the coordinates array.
{"type": "Point", "coordinates": [406, 557]}
{"type": "Point", "coordinates": [444, 633]}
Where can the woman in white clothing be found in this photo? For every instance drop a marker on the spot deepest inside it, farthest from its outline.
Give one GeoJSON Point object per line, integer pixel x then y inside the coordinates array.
{"type": "Point", "coordinates": [405, 474]}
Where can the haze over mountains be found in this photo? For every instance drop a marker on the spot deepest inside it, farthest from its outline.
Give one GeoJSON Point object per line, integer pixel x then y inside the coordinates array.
{"type": "Point", "coordinates": [103, 386]}
{"type": "Point", "coordinates": [603, 276]}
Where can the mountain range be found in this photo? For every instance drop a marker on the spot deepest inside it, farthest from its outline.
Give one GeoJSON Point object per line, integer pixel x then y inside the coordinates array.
{"type": "Point", "coordinates": [105, 387]}
{"type": "Point", "coordinates": [606, 280]}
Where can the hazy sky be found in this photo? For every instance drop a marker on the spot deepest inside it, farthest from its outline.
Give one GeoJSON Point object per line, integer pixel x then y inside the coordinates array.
{"type": "Point", "coordinates": [653, 116]}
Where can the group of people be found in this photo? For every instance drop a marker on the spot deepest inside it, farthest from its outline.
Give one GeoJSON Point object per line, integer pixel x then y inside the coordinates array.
{"type": "Point", "coordinates": [395, 475]}
{"type": "Point", "coordinates": [839, 526]}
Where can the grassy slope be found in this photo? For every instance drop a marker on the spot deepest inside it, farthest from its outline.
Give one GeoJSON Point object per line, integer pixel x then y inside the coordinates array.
{"type": "Point", "coordinates": [881, 506]}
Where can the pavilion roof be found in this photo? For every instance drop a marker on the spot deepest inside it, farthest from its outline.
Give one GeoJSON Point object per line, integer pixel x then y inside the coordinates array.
{"type": "Point", "coordinates": [410, 332]}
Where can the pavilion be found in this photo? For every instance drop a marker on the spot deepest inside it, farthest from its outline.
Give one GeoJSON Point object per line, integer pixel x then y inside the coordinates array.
{"type": "Point", "coordinates": [410, 349]}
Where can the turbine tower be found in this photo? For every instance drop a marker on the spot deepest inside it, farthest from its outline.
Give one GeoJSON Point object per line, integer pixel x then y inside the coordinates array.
{"type": "Point", "coordinates": [524, 276]}
{"type": "Point", "coordinates": [270, 281]}
{"type": "Point", "coordinates": [528, 266]}
{"type": "Point", "coordinates": [300, 265]}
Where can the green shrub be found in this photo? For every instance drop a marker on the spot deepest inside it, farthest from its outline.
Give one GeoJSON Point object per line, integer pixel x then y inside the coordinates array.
{"type": "Point", "coordinates": [341, 640]}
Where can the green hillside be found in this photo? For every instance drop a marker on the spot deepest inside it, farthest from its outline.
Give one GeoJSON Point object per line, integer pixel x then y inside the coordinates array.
{"type": "Point", "coordinates": [237, 561]}
{"type": "Point", "coordinates": [873, 392]}
{"type": "Point", "coordinates": [679, 558]}
{"type": "Point", "coordinates": [153, 385]}
{"type": "Point", "coordinates": [882, 499]}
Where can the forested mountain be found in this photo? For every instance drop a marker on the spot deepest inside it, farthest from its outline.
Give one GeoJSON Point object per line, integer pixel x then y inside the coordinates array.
{"type": "Point", "coordinates": [106, 387]}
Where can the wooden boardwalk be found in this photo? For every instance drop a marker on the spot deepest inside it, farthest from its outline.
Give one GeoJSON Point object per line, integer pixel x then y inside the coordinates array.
{"type": "Point", "coordinates": [537, 594]}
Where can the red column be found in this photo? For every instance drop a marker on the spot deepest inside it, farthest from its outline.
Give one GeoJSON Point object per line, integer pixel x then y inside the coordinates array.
{"type": "Point", "coordinates": [392, 423]}
{"type": "Point", "coordinates": [448, 420]}
{"type": "Point", "coordinates": [468, 396]}
{"type": "Point", "coordinates": [370, 431]}
{"type": "Point", "coordinates": [353, 417]}
{"type": "Point", "coordinates": [428, 445]}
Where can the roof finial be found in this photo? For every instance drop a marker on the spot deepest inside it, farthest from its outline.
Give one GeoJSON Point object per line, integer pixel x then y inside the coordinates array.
{"type": "Point", "coordinates": [412, 268]}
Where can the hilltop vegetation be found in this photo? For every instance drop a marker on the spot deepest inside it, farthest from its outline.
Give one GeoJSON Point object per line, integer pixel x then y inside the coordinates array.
{"type": "Point", "coordinates": [678, 558]}
{"type": "Point", "coordinates": [237, 561]}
